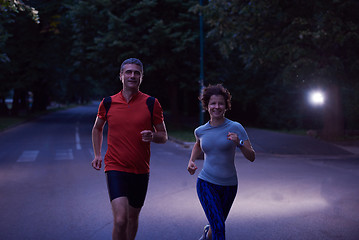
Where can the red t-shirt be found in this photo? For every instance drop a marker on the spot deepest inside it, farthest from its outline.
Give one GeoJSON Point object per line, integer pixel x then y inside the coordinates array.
{"type": "Point", "coordinates": [126, 151]}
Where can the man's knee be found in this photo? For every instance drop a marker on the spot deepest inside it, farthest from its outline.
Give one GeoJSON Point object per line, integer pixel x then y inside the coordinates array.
{"type": "Point", "coordinates": [134, 214]}
{"type": "Point", "coordinates": [120, 222]}
{"type": "Point", "coordinates": [120, 212]}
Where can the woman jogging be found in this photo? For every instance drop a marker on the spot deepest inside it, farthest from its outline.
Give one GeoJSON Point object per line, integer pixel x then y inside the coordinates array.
{"type": "Point", "coordinates": [217, 182]}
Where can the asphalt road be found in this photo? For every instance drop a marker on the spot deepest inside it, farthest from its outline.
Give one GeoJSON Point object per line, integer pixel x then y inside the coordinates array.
{"type": "Point", "coordinates": [298, 188]}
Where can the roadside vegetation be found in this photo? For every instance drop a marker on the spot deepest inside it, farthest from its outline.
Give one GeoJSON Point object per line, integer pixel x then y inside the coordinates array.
{"type": "Point", "coordinates": [182, 134]}
{"type": "Point", "coordinates": [269, 54]}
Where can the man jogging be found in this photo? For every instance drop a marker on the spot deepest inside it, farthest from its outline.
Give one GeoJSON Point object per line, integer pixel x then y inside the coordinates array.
{"type": "Point", "coordinates": [134, 120]}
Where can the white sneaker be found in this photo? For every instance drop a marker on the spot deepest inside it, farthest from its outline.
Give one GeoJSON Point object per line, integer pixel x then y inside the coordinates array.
{"type": "Point", "coordinates": [205, 231]}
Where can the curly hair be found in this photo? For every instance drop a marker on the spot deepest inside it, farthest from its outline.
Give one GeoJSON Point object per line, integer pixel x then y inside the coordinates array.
{"type": "Point", "coordinates": [218, 89]}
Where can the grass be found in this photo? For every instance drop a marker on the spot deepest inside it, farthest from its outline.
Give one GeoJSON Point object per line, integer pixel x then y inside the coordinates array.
{"type": "Point", "coordinates": [183, 135]}
{"type": "Point", "coordinates": [6, 122]}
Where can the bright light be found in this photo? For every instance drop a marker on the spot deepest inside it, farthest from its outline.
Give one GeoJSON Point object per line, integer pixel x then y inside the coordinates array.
{"type": "Point", "coordinates": [316, 98]}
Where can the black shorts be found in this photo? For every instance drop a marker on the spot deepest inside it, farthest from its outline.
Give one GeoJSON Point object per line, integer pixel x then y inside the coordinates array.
{"type": "Point", "coordinates": [130, 185]}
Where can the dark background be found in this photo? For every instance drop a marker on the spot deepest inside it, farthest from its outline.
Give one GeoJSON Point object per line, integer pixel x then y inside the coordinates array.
{"type": "Point", "coordinates": [269, 54]}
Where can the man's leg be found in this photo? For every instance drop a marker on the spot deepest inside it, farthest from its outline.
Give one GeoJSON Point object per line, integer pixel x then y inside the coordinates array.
{"type": "Point", "coordinates": [120, 210]}
{"type": "Point", "coordinates": [137, 195]}
{"type": "Point", "coordinates": [127, 193]}
{"type": "Point", "coordinates": [133, 217]}
{"type": "Point", "coordinates": [125, 219]}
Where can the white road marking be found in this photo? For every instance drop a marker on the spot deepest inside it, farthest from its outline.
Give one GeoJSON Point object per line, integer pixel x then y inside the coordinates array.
{"type": "Point", "coordinates": [28, 156]}
{"type": "Point", "coordinates": [64, 154]}
{"type": "Point", "coordinates": [78, 142]}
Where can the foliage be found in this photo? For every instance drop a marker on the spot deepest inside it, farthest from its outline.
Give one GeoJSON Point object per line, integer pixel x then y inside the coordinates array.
{"type": "Point", "coordinates": [296, 37]}
{"type": "Point", "coordinates": [105, 33]}
{"type": "Point", "coordinates": [287, 46]}
{"type": "Point", "coordinates": [35, 50]}
{"type": "Point", "coordinates": [8, 9]}
{"type": "Point", "coordinates": [268, 53]}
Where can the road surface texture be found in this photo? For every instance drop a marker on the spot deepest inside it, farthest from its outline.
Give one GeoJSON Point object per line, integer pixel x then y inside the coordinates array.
{"type": "Point", "coordinates": [299, 188]}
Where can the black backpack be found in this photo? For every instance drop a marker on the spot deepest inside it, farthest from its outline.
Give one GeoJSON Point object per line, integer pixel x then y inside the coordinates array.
{"type": "Point", "coordinates": [150, 103]}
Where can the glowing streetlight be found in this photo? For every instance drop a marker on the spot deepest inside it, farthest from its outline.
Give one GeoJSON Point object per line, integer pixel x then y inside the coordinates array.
{"type": "Point", "coordinates": [317, 98]}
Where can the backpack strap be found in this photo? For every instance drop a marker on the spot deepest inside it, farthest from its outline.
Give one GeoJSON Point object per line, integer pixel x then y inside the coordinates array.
{"type": "Point", "coordinates": [107, 104]}
{"type": "Point", "coordinates": [150, 104]}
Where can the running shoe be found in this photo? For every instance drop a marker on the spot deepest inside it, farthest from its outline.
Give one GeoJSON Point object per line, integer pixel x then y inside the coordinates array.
{"type": "Point", "coordinates": [205, 231]}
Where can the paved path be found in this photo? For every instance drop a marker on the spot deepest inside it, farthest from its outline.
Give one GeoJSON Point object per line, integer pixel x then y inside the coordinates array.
{"type": "Point", "coordinates": [266, 141]}
{"type": "Point", "coordinates": [299, 188]}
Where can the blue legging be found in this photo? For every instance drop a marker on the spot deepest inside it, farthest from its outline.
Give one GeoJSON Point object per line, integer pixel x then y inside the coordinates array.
{"type": "Point", "coordinates": [216, 201]}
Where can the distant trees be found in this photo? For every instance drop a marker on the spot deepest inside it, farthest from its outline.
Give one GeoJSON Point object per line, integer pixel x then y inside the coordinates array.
{"type": "Point", "coordinates": [75, 52]}
{"type": "Point", "coordinates": [9, 9]}
{"type": "Point", "coordinates": [289, 47]}
{"type": "Point", "coordinates": [268, 53]}
{"type": "Point", "coordinates": [163, 34]}
{"type": "Point", "coordinates": [35, 55]}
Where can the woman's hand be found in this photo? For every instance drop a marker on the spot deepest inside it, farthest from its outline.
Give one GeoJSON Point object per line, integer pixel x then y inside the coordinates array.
{"type": "Point", "coordinates": [191, 167]}
{"type": "Point", "coordinates": [246, 146]}
{"type": "Point", "coordinates": [233, 137]}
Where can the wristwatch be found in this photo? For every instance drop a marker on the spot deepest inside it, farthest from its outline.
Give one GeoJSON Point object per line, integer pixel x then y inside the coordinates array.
{"type": "Point", "coordinates": [241, 143]}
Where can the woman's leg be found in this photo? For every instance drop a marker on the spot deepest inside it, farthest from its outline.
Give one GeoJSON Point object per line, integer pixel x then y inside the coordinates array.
{"type": "Point", "coordinates": [215, 205]}
{"type": "Point", "coordinates": [227, 198]}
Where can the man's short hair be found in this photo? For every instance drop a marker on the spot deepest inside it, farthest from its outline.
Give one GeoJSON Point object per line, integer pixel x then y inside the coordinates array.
{"type": "Point", "coordinates": [132, 61]}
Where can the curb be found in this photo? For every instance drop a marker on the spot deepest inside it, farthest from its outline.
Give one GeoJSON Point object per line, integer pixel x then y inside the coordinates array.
{"type": "Point", "coordinates": [180, 142]}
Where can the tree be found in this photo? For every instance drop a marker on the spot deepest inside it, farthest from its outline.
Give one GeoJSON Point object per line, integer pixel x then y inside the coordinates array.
{"type": "Point", "coordinates": [37, 53]}
{"type": "Point", "coordinates": [107, 32]}
{"type": "Point", "coordinates": [8, 9]}
{"type": "Point", "coordinates": [294, 44]}
{"type": "Point", "coordinates": [10, 12]}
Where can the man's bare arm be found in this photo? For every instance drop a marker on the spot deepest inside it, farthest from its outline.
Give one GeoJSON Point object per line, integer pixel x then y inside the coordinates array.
{"type": "Point", "coordinates": [97, 138]}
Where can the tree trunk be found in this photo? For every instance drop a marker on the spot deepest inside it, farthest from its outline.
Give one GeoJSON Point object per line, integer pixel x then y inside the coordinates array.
{"type": "Point", "coordinates": [175, 116]}
{"type": "Point", "coordinates": [41, 100]}
{"type": "Point", "coordinates": [20, 104]}
{"type": "Point", "coordinates": [4, 110]}
{"type": "Point", "coordinates": [333, 127]}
